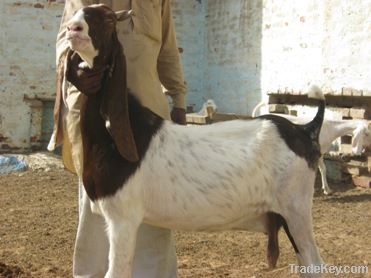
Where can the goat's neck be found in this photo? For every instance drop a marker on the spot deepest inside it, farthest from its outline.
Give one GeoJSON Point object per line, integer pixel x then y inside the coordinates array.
{"type": "Point", "coordinates": [144, 123]}
{"type": "Point", "coordinates": [104, 169]}
{"type": "Point", "coordinates": [88, 57]}
{"type": "Point", "coordinates": [336, 129]}
{"type": "Point", "coordinates": [105, 58]}
{"type": "Point", "coordinates": [93, 128]}
{"type": "Point", "coordinates": [346, 127]}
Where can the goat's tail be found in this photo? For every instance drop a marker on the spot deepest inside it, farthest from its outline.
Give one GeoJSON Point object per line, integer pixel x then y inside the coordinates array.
{"type": "Point", "coordinates": [256, 109]}
{"type": "Point", "coordinates": [314, 127]}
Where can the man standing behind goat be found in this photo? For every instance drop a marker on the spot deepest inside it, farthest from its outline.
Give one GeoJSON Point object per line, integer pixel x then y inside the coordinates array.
{"type": "Point", "coordinates": [152, 58]}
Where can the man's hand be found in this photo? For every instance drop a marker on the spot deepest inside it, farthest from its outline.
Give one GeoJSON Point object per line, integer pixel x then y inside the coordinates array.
{"type": "Point", "coordinates": [178, 116]}
{"type": "Point", "coordinates": [86, 80]}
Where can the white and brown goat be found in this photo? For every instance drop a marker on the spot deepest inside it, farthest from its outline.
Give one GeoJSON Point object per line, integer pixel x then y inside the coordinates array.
{"type": "Point", "coordinates": [138, 167]}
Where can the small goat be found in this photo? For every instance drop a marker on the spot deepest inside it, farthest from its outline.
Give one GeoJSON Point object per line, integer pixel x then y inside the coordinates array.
{"type": "Point", "coordinates": [330, 131]}
{"type": "Point", "coordinates": [138, 167]}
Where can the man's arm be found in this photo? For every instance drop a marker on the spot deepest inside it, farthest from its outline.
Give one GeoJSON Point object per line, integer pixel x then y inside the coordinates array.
{"type": "Point", "coordinates": [168, 66]}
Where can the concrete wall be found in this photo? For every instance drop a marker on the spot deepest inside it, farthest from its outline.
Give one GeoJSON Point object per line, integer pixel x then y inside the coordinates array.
{"type": "Point", "coordinates": [346, 54]}
{"type": "Point", "coordinates": [222, 51]}
{"type": "Point", "coordinates": [291, 45]}
{"type": "Point", "coordinates": [251, 47]}
{"type": "Point", "coordinates": [190, 22]}
{"type": "Point", "coordinates": [233, 54]}
{"type": "Point", "coordinates": [27, 68]}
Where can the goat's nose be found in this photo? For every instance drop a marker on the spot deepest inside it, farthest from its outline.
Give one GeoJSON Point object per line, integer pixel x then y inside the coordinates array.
{"type": "Point", "coordinates": [75, 26]}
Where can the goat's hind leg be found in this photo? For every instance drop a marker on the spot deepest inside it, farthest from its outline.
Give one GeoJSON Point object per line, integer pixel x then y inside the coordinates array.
{"type": "Point", "coordinates": [298, 227]}
{"type": "Point", "coordinates": [122, 233]}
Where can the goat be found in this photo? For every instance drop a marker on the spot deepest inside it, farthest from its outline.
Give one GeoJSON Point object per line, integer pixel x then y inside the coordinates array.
{"type": "Point", "coordinates": [330, 131]}
{"type": "Point", "coordinates": [138, 167]}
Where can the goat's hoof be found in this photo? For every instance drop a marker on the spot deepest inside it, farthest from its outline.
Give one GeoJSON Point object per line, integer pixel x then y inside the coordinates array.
{"type": "Point", "coordinates": [327, 192]}
{"type": "Point", "coordinates": [272, 262]}
{"type": "Point", "coordinates": [271, 267]}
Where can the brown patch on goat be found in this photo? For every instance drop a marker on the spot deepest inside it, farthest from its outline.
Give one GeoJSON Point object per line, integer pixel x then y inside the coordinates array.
{"type": "Point", "coordinates": [301, 139]}
{"type": "Point", "coordinates": [105, 170]}
{"type": "Point", "coordinates": [114, 103]}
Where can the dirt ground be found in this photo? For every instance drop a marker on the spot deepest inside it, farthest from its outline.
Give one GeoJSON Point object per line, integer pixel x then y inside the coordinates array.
{"type": "Point", "coordinates": [39, 216]}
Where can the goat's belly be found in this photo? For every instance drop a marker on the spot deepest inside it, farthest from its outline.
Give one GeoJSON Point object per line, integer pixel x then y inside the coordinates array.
{"type": "Point", "coordinates": [203, 222]}
{"type": "Point", "coordinates": [218, 209]}
{"type": "Point", "coordinates": [209, 185]}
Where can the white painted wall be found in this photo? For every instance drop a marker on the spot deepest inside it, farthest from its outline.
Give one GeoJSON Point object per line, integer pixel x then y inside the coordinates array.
{"type": "Point", "coordinates": [325, 41]}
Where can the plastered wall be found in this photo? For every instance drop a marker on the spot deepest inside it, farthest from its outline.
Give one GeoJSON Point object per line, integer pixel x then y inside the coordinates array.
{"type": "Point", "coordinates": [27, 68]}
{"type": "Point", "coordinates": [328, 42]}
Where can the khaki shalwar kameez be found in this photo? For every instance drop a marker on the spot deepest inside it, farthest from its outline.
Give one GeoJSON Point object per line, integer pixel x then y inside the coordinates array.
{"type": "Point", "coordinates": [152, 58]}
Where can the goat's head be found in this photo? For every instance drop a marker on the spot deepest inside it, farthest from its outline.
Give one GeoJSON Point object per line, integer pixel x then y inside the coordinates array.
{"type": "Point", "coordinates": [91, 29]}
{"type": "Point", "coordinates": [91, 33]}
{"type": "Point", "coordinates": [361, 138]}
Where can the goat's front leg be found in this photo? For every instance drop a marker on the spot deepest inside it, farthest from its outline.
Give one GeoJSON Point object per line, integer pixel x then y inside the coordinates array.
{"type": "Point", "coordinates": [122, 239]}
{"type": "Point", "coordinates": [122, 230]}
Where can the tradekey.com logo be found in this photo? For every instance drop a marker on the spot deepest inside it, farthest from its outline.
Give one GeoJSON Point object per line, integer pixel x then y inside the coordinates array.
{"type": "Point", "coordinates": [328, 269]}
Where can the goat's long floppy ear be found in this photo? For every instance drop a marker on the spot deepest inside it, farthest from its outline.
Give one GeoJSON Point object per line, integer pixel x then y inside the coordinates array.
{"type": "Point", "coordinates": [114, 107]}
{"type": "Point", "coordinates": [124, 14]}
